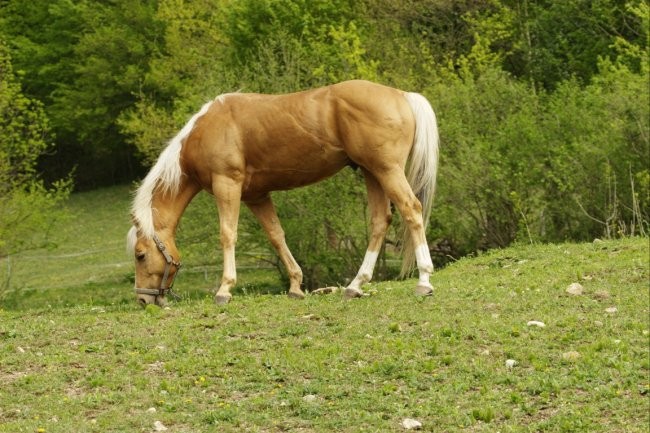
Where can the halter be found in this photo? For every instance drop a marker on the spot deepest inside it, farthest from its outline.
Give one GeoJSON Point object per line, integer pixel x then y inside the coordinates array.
{"type": "Point", "coordinates": [169, 261]}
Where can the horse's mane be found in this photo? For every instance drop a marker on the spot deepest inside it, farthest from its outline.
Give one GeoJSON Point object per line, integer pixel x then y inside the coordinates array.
{"type": "Point", "coordinates": [164, 176]}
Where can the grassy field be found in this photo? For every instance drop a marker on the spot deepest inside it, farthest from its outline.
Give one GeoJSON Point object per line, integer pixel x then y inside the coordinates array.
{"type": "Point", "coordinates": [78, 355]}
{"type": "Point", "coordinates": [87, 263]}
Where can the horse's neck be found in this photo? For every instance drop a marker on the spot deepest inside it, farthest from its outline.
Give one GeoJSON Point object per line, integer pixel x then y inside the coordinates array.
{"type": "Point", "coordinates": [169, 207]}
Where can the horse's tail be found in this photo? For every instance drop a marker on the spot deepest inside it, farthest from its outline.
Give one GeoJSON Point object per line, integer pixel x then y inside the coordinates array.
{"type": "Point", "coordinates": [422, 168]}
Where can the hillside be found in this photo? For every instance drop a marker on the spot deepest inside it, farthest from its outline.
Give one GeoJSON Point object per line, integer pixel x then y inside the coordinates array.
{"type": "Point", "coordinates": [266, 363]}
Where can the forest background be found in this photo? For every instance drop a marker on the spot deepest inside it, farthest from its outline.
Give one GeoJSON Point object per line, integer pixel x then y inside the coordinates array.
{"type": "Point", "coordinates": [543, 110]}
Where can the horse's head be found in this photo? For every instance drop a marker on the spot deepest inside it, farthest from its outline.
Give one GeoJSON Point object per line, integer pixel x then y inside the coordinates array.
{"type": "Point", "coordinates": [156, 265]}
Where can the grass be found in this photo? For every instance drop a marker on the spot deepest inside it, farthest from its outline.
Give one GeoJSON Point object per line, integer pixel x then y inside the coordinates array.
{"type": "Point", "coordinates": [86, 261]}
{"type": "Point", "coordinates": [266, 363]}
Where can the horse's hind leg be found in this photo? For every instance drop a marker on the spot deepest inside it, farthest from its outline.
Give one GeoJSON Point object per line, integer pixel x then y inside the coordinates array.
{"type": "Point", "coordinates": [399, 192]}
{"type": "Point", "coordinates": [227, 193]}
{"type": "Point", "coordinates": [268, 218]}
{"type": "Point", "coordinates": [380, 218]}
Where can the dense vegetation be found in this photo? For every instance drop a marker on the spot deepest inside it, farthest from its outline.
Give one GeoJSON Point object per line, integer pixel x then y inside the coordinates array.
{"type": "Point", "coordinates": [543, 105]}
{"type": "Point", "coordinates": [26, 203]}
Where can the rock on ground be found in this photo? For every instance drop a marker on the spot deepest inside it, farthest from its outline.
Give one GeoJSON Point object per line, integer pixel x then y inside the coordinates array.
{"type": "Point", "coordinates": [575, 289]}
{"type": "Point", "coordinates": [411, 424]}
{"type": "Point", "coordinates": [536, 323]}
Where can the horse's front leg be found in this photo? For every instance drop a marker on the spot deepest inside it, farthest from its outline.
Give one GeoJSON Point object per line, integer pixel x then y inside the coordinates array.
{"type": "Point", "coordinates": [265, 212]}
{"type": "Point", "coordinates": [227, 193]}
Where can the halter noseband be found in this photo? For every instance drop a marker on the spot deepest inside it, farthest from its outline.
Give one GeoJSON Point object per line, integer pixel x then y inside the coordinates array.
{"type": "Point", "coordinates": [169, 261]}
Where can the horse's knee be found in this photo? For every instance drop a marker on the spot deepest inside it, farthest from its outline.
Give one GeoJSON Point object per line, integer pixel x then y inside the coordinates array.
{"type": "Point", "coordinates": [228, 237]}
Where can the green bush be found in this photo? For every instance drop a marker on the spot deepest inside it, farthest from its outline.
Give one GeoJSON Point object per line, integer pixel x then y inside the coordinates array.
{"type": "Point", "coordinates": [529, 166]}
{"type": "Point", "coordinates": [27, 206]}
{"type": "Point", "coordinates": [489, 137]}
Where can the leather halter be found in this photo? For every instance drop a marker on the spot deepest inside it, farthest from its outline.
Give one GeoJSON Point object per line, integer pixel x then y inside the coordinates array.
{"type": "Point", "coordinates": [169, 261]}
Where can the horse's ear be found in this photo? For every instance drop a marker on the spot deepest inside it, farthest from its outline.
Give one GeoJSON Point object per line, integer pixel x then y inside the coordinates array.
{"type": "Point", "coordinates": [131, 239]}
{"type": "Point", "coordinates": [136, 228]}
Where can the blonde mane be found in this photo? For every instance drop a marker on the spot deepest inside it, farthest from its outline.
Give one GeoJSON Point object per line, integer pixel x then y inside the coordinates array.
{"type": "Point", "coordinates": [164, 176]}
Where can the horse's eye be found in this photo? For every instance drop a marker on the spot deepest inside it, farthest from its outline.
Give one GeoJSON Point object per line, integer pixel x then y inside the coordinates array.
{"type": "Point", "coordinates": [139, 256]}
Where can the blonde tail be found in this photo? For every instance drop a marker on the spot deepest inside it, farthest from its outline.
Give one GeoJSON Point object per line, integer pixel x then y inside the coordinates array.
{"type": "Point", "coordinates": [421, 170]}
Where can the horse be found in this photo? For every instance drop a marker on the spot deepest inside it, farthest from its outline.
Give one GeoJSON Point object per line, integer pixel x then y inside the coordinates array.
{"type": "Point", "coordinates": [240, 147]}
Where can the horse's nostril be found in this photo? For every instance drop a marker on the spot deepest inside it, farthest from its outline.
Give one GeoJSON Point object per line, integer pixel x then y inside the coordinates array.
{"type": "Point", "coordinates": [142, 302]}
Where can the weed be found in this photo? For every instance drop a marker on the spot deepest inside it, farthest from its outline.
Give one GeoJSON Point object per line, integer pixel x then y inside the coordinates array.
{"type": "Point", "coordinates": [483, 414]}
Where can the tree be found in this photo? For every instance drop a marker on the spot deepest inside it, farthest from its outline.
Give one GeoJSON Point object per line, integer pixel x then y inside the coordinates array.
{"type": "Point", "coordinates": [85, 61]}
{"type": "Point", "coordinates": [547, 42]}
{"type": "Point", "coordinates": [27, 206]}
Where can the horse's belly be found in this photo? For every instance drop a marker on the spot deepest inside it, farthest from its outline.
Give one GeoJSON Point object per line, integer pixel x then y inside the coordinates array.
{"type": "Point", "coordinates": [275, 177]}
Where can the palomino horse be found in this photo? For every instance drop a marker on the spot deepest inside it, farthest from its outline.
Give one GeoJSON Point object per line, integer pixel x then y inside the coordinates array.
{"type": "Point", "coordinates": [241, 146]}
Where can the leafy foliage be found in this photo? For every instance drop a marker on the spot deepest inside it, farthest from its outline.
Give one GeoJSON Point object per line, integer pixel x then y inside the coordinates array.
{"type": "Point", "coordinates": [27, 206]}
{"type": "Point", "coordinates": [84, 60]}
{"type": "Point", "coordinates": [536, 166]}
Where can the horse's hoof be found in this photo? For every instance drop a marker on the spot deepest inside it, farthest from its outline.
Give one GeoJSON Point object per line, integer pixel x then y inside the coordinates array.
{"type": "Point", "coordinates": [325, 290]}
{"type": "Point", "coordinates": [423, 290]}
{"type": "Point", "coordinates": [296, 295]}
{"type": "Point", "coordinates": [222, 299]}
{"type": "Point", "coordinates": [350, 293]}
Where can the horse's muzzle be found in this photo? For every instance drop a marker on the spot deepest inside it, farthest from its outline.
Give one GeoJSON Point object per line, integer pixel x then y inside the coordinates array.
{"type": "Point", "coordinates": [145, 300]}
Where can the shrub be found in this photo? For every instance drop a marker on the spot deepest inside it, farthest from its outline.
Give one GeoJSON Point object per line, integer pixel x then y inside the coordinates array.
{"type": "Point", "coordinates": [27, 206]}
{"type": "Point", "coordinates": [522, 165]}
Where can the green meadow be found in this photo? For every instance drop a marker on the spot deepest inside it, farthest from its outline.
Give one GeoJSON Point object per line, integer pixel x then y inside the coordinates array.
{"type": "Point", "coordinates": [500, 346]}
